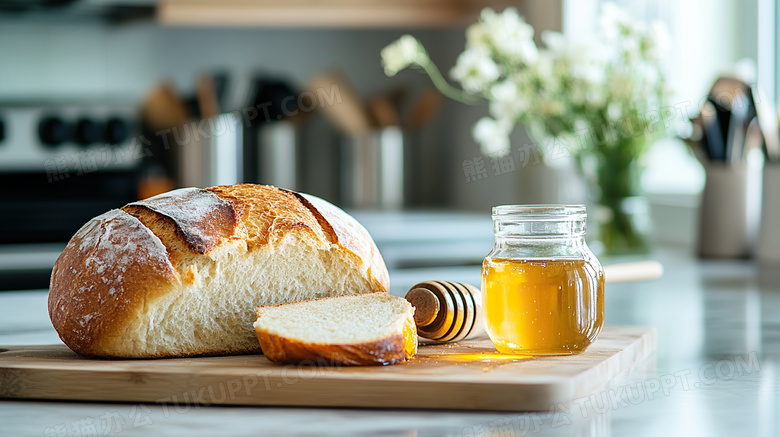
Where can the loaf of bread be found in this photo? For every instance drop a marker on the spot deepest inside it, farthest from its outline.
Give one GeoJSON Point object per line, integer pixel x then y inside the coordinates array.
{"type": "Point", "coordinates": [180, 274]}
{"type": "Point", "coordinates": [367, 329]}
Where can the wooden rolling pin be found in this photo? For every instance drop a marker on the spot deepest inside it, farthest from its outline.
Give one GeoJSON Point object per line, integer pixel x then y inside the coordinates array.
{"type": "Point", "coordinates": [446, 312]}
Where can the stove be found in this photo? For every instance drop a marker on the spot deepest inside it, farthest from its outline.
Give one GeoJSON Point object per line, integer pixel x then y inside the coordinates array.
{"type": "Point", "coordinates": [61, 163]}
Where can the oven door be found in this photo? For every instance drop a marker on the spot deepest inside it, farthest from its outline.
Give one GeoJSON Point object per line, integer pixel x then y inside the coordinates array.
{"type": "Point", "coordinates": [38, 217]}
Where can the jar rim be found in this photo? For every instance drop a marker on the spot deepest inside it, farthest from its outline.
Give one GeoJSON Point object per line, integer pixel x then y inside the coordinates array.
{"type": "Point", "coordinates": [540, 212]}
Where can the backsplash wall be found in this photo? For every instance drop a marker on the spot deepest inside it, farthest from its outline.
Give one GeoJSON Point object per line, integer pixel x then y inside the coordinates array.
{"type": "Point", "coordinates": [92, 60]}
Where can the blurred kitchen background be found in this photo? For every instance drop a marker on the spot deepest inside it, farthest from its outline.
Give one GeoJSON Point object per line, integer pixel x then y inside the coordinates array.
{"type": "Point", "coordinates": [90, 91]}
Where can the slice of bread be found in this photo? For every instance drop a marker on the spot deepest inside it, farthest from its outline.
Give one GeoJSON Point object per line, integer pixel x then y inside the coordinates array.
{"type": "Point", "coordinates": [367, 329]}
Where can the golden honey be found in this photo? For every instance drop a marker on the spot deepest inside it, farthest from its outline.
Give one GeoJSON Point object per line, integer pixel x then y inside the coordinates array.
{"type": "Point", "coordinates": [542, 307]}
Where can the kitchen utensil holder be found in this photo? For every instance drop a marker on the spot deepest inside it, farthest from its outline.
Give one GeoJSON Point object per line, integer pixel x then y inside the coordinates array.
{"type": "Point", "coordinates": [768, 248]}
{"type": "Point", "coordinates": [725, 228]}
{"type": "Point", "coordinates": [373, 170]}
{"type": "Point", "coordinates": [277, 155]}
{"type": "Point", "coordinates": [213, 158]}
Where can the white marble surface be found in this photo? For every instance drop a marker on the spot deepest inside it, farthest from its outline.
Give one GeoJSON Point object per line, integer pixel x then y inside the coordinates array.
{"type": "Point", "coordinates": [715, 373]}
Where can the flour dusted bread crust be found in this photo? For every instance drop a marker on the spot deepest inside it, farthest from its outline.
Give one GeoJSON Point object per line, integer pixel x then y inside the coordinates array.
{"type": "Point", "coordinates": [368, 329]}
{"type": "Point", "coordinates": [180, 274]}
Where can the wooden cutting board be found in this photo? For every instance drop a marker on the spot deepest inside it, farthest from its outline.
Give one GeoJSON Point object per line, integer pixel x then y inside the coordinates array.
{"type": "Point", "coordinates": [469, 375]}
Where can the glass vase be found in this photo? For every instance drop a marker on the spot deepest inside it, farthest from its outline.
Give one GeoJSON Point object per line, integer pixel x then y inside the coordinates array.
{"type": "Point", "coordinates": [622, 214]}
{"type": "Point", "coordinates": [623, 225]}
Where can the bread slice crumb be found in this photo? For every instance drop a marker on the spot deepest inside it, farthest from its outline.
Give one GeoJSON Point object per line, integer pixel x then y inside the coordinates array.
{"type": "Point", "coordinates": [366, 329]}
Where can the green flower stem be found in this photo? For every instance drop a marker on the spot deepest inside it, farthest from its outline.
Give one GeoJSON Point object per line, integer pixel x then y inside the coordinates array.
{"type": "Point", "coordinates": [445, 88]}
{"type": "Point", "coordinates": [620, 235]}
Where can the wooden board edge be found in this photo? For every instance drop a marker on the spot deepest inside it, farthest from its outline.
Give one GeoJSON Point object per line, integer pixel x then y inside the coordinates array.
{"type": "Point", "coordinates": [266, 389]}
{"type": "Point", "coordinates": [617, 366]}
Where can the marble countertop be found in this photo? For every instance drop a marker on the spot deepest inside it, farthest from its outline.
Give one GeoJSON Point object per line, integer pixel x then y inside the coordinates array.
{"type": "Point", "coordinates": [715, 372]}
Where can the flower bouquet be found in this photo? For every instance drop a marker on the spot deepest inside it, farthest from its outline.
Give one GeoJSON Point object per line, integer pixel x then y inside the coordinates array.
{"type": "Point", "coordinates": [602, 100]}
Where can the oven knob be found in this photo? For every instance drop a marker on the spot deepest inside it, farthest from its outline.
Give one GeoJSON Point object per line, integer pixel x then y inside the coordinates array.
{"type": "Point", "coordinates": [53, 131]}
{"type": "Point", "coordinates": [88, 132]}
{"type": "Point", "coordinates": [117, 130]}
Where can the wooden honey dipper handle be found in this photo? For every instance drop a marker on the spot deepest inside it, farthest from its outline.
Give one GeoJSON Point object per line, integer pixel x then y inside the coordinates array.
{"type": "Point", "coordinates": [633, 271]}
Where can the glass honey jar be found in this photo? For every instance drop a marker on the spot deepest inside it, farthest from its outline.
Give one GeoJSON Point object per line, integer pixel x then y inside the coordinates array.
{"type": "Point", "coordinates": [542, 287]}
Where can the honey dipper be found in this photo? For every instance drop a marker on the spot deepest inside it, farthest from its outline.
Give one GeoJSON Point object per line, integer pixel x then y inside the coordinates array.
{"type": "Point", "coordinates": [446, 311]}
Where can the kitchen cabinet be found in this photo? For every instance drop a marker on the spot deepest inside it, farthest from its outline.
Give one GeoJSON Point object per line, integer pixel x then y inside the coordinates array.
{"type": "Point", "coordinates": [325, 13]}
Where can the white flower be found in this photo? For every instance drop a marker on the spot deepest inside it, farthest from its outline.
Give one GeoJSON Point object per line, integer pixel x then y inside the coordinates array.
{"type": "Point", "coordinates": [647, 74]}
{"type": "Point", "coordinates": [551, 107]}
{"type": "Point", "coordinates": [551, 73]}
{"type": "Point", "coordinates": [578, 94]}
{"type": "Point", "coordinates": [509, 35]}
{"type": "Point", "coordinates": [506, 101]}
{"type": "Point", "coordinates": [581, 125]}
{"type": "Point", "coordinates": [631, 45]}
{"type": "Point", "coordinates": [493, 136]}
{"type": "Point", "coordinates": [545, 65]}
{"type": "Point", "coordinates": [581, 60]}
{"type": "Point", "coordinates": [614, 112]}
{"type": "Point", "coordinates": [477, 37]}
{"type": "Point", "coordinates": [402, 53]}
{"type": "Point", "coordinates": [596, 96]}
{"type": "Point", "coordinates": [554, 41]}
{"type": "Point", "coordinates": [623, 85]}
{"type": "Point", "coordinates": [658, 42]}
{"type": "Point", "coordinates": [613, 21]}
{"type": "Point", "coordinates": [475, 70]}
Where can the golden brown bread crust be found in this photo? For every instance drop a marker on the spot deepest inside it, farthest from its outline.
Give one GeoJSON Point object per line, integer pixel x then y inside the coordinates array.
{"type": "Point", "coordinates": [124, 260]}
{"type": "Point", "coordinates": [108, 268]}
{"type": "Point", "coordinates": [349, 234]}
{"type": "Point", "coordinates": [201, 218]}
{"type": "Point", "coordinates": [390, 350]}
{"type": "Point", "coordinates": [284, 350]}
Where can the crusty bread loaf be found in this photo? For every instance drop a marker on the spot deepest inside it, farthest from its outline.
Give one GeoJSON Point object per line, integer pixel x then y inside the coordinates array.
{"type": "Point", "coordinates": [355, 330]}
{"type": "Point", "coordinates": [180, 274]}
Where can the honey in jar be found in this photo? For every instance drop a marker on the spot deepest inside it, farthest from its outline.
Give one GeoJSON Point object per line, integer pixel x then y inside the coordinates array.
{"type": "Point", "coordinates": [542, 288]}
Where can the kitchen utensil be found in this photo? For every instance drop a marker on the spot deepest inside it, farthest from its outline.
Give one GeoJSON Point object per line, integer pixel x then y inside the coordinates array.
{"type": "Point", "coordinates": [727, 92]}
{"type": "Point", "coordinates": [716, 146]}
{"type": "Point", "coordinates": [696, 140]}
{"type": "Point", "coordinates": [737, 126]}
{"type": "Point", "coordinates": [754, 138]}
{"type": "Point", "coordinates": [373, 159]}
{"type": "Point", "coordinates": [469, 375]}
{"type": "Point", "coordinates": [730, 97]}
{"type": "Point", "coordinates": [162, 108]}
{"type": "Point", "coordinates": [348, 112]}
{"type": "Point", "coordinates": [398, 97]}
{"type": "Point", "coordinates": [209, 149]}
{"type": "Point", "coordinates": [206, 91]}
{"type": "Point", "coordinates": [446, 311]}
{"type": "Point", "coordinates": [767, 120]}
{"type": "Point", "coordinates": [271, 148]}
{"type": "Point", "coordinates": [424, 111]}
{"type": "Point", "coordinates": [372, 162]}
{"type": "Point", "coordinates": [383, 112]}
